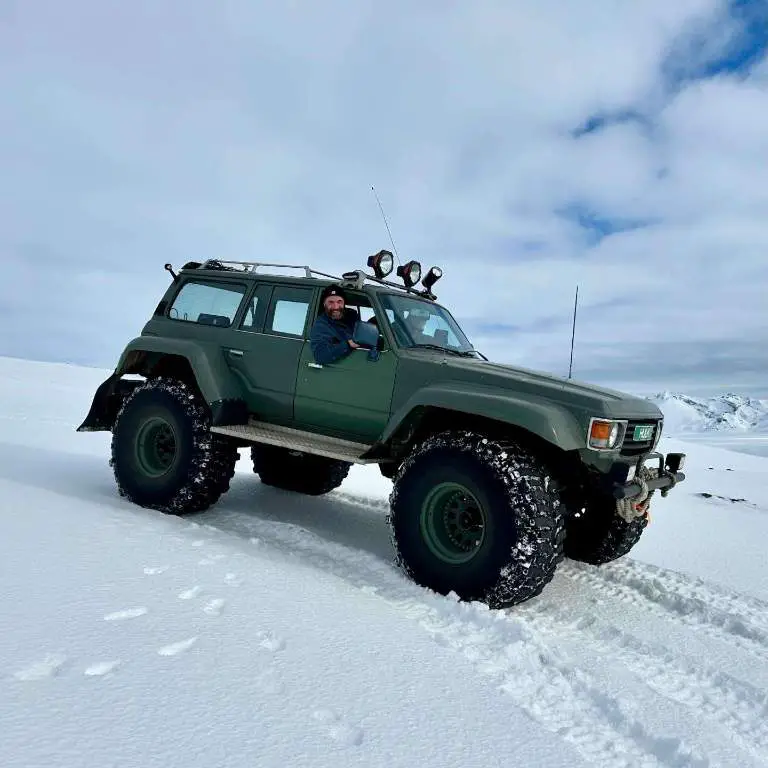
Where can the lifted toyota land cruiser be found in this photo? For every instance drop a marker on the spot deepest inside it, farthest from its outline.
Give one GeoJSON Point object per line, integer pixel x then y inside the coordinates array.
{"type": "Point", "coordinates": [498, 472]}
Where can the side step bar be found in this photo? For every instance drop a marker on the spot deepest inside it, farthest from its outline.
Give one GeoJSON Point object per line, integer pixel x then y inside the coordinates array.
{"type": "Point", "coordinates": [297, 440]}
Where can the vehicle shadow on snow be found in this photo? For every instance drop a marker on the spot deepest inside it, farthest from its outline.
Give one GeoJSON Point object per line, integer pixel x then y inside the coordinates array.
{"type": "Point", "coordinates": [80, 476]}
{"type": "Point", "coordinates": [334, 517]}
{"type": "Point", "coordinates": [242, 511]}
{"type": "Point", "coordinates": [248, 510]}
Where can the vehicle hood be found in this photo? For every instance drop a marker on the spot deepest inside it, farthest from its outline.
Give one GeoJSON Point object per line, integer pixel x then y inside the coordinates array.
{"type": "Point", "coordinates": [528, 383]}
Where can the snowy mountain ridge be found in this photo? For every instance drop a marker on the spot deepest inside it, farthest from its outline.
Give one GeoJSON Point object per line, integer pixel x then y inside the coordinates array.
{"type": "Point", "coordinates": [725, 412]}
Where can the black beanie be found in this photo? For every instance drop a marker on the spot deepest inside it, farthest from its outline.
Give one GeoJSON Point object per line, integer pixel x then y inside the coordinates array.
{"type": "Point", "coordinates": [332, 290]}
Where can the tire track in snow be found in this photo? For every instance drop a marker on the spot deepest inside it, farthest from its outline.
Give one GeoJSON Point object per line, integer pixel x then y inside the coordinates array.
{"type": "Point", "coordinates": [735, 706]}
{"type": "Point", "coordinates": [377, 506]}
{"type": "Point", "coordinates": [555, 692]}
{"type": "Point", "coordinates": [507, 649]}
{"type": "Point", "coordinates": [691, 588]}
{"type": "Point", "coordinates": [669, 596]}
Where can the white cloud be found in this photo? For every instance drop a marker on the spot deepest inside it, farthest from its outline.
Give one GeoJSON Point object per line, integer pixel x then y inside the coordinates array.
{"type": "Point", "coordinates": [139, 134]}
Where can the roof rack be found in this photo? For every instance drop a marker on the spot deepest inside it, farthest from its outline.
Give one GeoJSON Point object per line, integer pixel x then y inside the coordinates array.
{"type": "Point", "coordinates": [253, 266]}
{"type": "Point", "coordinates": [354, 279]}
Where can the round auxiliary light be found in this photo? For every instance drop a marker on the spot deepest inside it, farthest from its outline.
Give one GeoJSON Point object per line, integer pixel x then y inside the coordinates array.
{"type": "Point", "coordinates": [410, 273]}
{"type": "Point", "coordinates": [381, 263]}
{"type": "Point", "coordinates": [434, 274]}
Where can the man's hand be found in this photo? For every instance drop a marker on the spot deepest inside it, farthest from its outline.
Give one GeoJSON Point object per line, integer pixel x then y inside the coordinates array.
{"type": "Point", "coordinates": [353, 344]}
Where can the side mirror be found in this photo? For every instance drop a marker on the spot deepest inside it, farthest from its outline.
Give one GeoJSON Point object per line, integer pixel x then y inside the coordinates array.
{"type": "Point", "coordinates": [365, 334]}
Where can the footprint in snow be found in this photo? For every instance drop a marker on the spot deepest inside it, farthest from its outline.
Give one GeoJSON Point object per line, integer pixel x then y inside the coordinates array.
{"type": "Point", "coordinates": [210, 560]}
{"type": "Point", "coordinates": [198, 543]}
{"type": "Point", "coordinates": [233, 580]}
{"type": "Point", "coordinates": [174, 649]}
{"type": "Point", "coordinates": [155, 569]}
{"type": "Point", "coordinates": [46, 667]}
{"type": "Point", "coordinates": [189, 594]}
{"type": "Point", "coordinates": [128, 613]}
{"type": "Point", "coordinates": [101, 668]}
{"type": "Point", "coordinates": [213, 607]}
{"type": "Point", "coordinates": [338, 730]}
{"type": "Point", "coordinates": [269, 682]}
{"type": "Point", "coordinates": [270, 641]}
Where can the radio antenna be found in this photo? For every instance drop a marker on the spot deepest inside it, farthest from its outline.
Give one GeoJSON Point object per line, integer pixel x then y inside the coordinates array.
{"type": "Point", "coordinates": [573, 332]}
{"type": "Point", "coordinates": [386, 224]}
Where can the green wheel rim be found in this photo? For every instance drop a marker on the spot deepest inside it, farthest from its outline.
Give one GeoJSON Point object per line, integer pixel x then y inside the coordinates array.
{"type": "Point", "coordinates": [453, 523]}
{"type": "Point", "coordinates": [155, 447]}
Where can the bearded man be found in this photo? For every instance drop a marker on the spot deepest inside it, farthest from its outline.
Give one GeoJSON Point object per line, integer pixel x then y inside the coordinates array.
{"type": "Point", "coordinates": [331, 336]}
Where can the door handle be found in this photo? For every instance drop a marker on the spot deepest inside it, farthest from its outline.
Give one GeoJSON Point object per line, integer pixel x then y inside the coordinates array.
{"type": "Point", "coordinates": [314, 365]}
{"type": "Point", "coordinates": [236, 352]}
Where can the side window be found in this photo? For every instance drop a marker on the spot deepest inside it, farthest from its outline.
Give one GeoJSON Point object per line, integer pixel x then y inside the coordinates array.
{"type": "Point", "coordinates": [256, 309]}
{"type": "Point", "coordinates": [357, 307]}
{"type": "Point", "coordinates": [288, 310]}
{"type": "Point", "coordinates": [207, 303]}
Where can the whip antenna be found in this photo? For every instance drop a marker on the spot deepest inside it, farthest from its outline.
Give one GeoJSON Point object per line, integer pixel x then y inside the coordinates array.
{"type": "Point", "coordinates": [386, 225]}
{"type": "Point", "coordinates": [573, 332]}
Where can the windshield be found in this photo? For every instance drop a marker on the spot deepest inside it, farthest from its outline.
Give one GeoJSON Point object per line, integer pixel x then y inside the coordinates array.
{"type": "Point", "coordinates": [416, 323]}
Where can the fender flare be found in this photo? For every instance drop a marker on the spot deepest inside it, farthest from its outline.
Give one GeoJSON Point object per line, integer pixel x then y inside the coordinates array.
{"type": "Point", "coordinates": [543, 418]}
{"type": "Point", "coordinates": [212, 376]}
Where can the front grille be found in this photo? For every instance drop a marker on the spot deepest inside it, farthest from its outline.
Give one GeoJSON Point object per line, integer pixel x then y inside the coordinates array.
{"type": "Point", "coordinates": [632, 447]}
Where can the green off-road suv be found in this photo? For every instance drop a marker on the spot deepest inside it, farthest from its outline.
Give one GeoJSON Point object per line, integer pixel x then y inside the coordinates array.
{"type": "Point", "coordinates": [498, 472]}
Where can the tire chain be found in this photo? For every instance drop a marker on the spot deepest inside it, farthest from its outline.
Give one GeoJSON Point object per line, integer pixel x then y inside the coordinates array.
{"type": "Point", "coordinates": [213, 457]}
{"type": "Point", "coordinates": [534, 557]}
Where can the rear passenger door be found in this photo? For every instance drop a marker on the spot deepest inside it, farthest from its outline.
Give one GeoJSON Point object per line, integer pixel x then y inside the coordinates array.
{"type": "Point", "coordinates": [265, 348]}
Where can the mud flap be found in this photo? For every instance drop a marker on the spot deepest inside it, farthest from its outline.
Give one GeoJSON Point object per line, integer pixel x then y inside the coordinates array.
{"type": "Point", "coordinates": [106, 403]}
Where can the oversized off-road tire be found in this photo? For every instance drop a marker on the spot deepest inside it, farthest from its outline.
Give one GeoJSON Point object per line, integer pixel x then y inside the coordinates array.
{"type": "Point", "coordinates": [595, 533]}
{"type": "Point", "coordinates": [163, 454]}
{"type": "Point", "coordinates": [477, 517]}
{"type": "Point", "coordinates": [296, 471]}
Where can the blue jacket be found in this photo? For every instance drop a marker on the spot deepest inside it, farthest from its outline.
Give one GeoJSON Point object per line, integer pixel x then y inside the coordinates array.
{"type": "Point", "coordinates": [328, 339]}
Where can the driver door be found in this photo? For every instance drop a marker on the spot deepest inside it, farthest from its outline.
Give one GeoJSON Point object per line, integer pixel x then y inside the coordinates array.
{"type": "Point", "coordinates": [349, 398]}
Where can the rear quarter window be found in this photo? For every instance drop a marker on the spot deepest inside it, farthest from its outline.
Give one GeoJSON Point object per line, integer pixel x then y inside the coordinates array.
{"type": "Point", "coordinates": [207, 303]}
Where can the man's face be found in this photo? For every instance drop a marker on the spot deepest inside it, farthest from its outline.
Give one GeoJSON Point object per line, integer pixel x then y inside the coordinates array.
{"type": "Point", "coordinates": [334, 307]}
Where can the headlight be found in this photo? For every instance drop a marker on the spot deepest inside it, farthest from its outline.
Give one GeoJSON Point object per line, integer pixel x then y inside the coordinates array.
{"type": "Point", "coordinates": [605, 434]}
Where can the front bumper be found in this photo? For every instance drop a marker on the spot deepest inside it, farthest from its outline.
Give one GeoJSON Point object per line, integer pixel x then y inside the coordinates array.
{"type": "Point", "coordinates": [664, 477]}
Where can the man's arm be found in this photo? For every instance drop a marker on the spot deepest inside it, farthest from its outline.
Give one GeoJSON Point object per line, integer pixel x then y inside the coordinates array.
{"type": "Point", "coordinates": [326, 346]}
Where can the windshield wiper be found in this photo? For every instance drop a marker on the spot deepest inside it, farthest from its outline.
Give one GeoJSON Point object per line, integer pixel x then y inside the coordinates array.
{"type": "Point", "coordinates": [441, 349]}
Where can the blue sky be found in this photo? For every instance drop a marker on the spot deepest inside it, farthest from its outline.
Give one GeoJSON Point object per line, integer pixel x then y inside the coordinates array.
{"type": "Point", "coordinates": [523, 147]}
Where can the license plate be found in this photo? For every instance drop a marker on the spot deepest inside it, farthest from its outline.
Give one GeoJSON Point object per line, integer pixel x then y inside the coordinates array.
{"type": "Point", "coordinates": [643, 432]}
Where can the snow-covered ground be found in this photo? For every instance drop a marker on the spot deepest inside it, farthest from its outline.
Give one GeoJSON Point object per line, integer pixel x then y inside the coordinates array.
{"type": "Point", "coordinates": [275, 631]}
